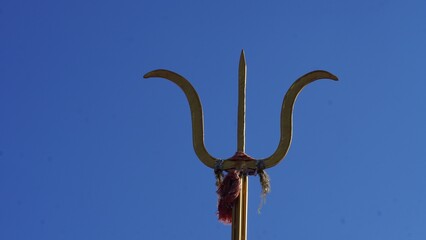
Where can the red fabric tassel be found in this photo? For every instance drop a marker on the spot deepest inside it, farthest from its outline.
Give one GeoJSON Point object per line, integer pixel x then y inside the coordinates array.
{"type": "Point", "coordinates": [228, 192]}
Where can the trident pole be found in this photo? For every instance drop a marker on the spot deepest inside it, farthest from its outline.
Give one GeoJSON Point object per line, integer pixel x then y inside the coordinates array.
{"type": "Point", "coordinates": [240, 161]}
{"type": "Point", "coordinates": [239, 214]}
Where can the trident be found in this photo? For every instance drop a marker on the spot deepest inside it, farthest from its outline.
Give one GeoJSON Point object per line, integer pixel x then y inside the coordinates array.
{"type": "Point", "coordinates": [241, 162]}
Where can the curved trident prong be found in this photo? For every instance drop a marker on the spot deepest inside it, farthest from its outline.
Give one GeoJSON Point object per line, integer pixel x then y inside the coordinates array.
{"type": "Point", "coordinates": [196, 113]}
{"type": "Point", "coordinates": [287, 114]}
{"type": "Point", "coordinates": [240, 160]}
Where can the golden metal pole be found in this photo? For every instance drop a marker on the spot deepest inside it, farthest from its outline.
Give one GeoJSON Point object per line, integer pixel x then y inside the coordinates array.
{"type": "Point", "coordinates": [243, 208]}
{"type": "Point", "coordinates": [236, 216]}
{"type": "Point", "coordinates": [239, 213]}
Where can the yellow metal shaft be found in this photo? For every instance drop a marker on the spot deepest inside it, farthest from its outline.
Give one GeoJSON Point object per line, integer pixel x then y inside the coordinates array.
{"type": "Point", "coordinates": [239, 213]}
{"type": "Point", "coordinates": [243, 203]}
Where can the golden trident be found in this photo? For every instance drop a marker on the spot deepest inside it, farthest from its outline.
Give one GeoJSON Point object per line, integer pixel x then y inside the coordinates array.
{"type": "Point", "coordinates": [245, 164]}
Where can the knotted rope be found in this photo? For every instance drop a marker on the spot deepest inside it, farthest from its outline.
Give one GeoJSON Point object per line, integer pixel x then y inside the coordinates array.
{"type": "Point", "coordinates": [265, 182]}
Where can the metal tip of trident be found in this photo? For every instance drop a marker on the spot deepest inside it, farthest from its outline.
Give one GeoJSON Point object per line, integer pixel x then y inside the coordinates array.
{"type": "Point", "coordinates": [332, 77]}
{"type": "Point", "coordinates": [242, 56]}
{"type": "Point", "coordinates": [147, 75]}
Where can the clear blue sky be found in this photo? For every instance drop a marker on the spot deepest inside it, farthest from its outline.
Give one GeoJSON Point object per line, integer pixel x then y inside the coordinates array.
{"type": "Point", "coordinates": [90, 150]}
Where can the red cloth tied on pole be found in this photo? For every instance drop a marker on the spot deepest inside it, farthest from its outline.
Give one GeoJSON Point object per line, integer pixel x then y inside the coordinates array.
{"type": "Point", "coordinates": [228, 192]}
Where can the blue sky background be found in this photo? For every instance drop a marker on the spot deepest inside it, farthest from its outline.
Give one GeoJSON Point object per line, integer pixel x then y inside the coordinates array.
{"type": "Point", "coordinates": [90, 150]}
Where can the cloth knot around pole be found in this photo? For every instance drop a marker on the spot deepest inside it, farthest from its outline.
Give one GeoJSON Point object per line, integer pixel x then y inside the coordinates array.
{"type": "Point", "coordinates": [229, 186]}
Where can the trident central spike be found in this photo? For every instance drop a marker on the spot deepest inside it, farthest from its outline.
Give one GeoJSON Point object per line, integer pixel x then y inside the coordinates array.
{"type": "Point", "coordinates": [240, 164]}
